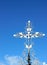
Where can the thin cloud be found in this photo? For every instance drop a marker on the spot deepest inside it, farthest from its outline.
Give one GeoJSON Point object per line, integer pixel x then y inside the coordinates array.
{"type": "Point", "coordinates": [14, 60]}
{"type": "Point", "coordinates": [2, 63]}
{"type": "Point", "coordinates": [17, 60]}
{"type": "Point", "coordinates": [44, 63]}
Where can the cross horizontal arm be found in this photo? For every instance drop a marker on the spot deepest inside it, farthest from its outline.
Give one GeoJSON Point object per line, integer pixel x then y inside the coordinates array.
{"type": "Point", "coordinates": [29, 35]}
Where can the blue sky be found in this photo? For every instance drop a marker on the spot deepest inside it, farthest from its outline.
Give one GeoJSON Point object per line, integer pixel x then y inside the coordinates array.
{"type": "Point", "coordinates": [14, 15]}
